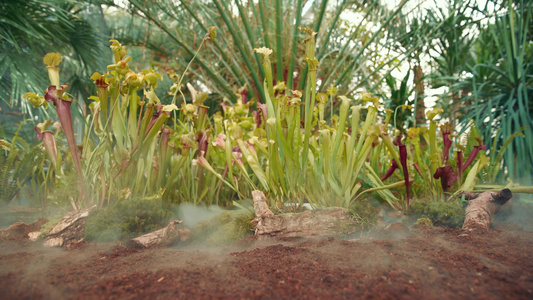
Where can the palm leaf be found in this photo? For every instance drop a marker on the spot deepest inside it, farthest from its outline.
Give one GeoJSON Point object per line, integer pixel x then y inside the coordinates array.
{"type": "Point", "coordinates": [243, 26]}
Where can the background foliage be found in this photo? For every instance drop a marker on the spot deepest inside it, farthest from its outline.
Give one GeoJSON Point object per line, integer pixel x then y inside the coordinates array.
{"type": "Point", "coordinates": [30, 29]}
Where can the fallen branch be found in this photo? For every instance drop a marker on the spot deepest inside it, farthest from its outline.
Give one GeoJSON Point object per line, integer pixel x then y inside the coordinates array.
{"type": "Point", "coordinates": [162, 237]}
{"type": "Point", "coordinates": [481, 207]}
{"type": "Point", "coordinates": [325, 222]}
{"type": "Point", "coordinates": [70, 229]}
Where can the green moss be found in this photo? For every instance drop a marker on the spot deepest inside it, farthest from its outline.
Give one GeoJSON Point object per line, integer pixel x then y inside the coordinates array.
{"type": "Point", "coordinates": [425, 221]}
{"type": "Point", "coordinates": [51, 223]}
{"type": "Point", "coordinates": [125, 220]}
{"type": "Point", "coordinates": [224, 228]}
{"type": "Point", "coordinates": [448, 214]}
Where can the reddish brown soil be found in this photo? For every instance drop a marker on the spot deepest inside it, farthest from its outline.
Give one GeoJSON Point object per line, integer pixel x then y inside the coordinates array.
{"type": "Point", "coordinates": [427, 263]}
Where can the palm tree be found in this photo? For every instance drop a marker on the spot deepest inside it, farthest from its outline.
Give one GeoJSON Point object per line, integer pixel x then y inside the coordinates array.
{"type": "Point", "coordinates": [501, 87]}
{"type": "Point", "coordinates": [349, 54]}
{"type": "Point", "coordinates": [452, 52]}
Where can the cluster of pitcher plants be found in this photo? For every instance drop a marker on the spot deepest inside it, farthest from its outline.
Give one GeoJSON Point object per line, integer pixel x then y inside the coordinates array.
{"type": "Point", "coordinates": [135, 147]}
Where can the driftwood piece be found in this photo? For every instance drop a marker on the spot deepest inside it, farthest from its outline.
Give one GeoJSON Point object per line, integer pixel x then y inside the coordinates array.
{"type": "Point", "coordinates": [325, 222]}
{"type": "Point", "coordinates": [481, 207]}
{"type": "Point", "coordinates": [162, 237]}
{"type": "Point", "coordinates": [71, 229]}
{"type": "Point", "coordinates": [260, 205]}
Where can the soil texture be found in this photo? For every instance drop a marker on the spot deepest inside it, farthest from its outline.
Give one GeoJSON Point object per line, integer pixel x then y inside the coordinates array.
{"type": "Point", "coordinates": [417, 263]}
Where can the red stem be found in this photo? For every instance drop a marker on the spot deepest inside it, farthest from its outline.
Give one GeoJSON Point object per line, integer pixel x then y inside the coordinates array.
{"type": "Point", "coordinates": [65, 118]}
{"type": "Point", "coordinates": [403, 161]}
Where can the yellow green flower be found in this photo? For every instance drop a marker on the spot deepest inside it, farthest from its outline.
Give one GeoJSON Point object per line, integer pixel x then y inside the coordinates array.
{"type": "Point", "coordinates": [433, 113]}
{"type": "Point", "coordinates": [152, 97]}
{"type": "Point", "coordinates": [312, 62]}
{"type": "Point", "coordinates": [367, 97]}
{"type": "Point", "coordinates": [173, 76]}
{"type": "Point", "coordinates": [322, 98]}
{"type": "Point", "coordinates": [280, 86]}
{"type": "Point", "coordinates": [296, 93]}
{"type": "Point", "coordinates": [119, 50]}
{"type": "Point", "coordinates": [35, 100]}
{"type": "Point", "coordinates": [189, 110]}
{"type": "Point", "coordinates": [212, 31]}
{"type": "Point", "coordinates": [134, 80]}
{"type": "Point", "coordinates": [100, 80]}
{"type": "Point", "coordinates": [332, 91]}
{"type": "Point", "coordinates": [51, 60]}
{"type": "Point", "coordinates": [413, 132]}
{"type": "Point", "coordinates": [264, 51]}
{"type": "Point", "coordinates": [169, 108]}
{"type": "Point", "coordinates": [151, 77]}
{"type": "Point", "coordinates": [198, 98]}
{"type": "Point", "coordinates": [121, 67]}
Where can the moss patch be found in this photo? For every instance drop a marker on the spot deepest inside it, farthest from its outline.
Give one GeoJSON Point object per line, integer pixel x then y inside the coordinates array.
{"type": "Point", "coordinates": [125, 220]}
{"type": "Point", "coordinates": [224, 228]}
{"type": "Point", "coordinates": [424, 221]}
{"type": "Point", "coordinates": [450, 214]}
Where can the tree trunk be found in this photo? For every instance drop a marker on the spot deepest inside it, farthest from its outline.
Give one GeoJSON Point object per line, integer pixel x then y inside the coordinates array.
{"type": "Point", "coordinates": [420, 113]}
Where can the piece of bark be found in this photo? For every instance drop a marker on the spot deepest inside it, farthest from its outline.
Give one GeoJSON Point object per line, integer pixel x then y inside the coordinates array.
{"type": "Point", "coordinates": [481, 207]}
{"type": "Point", "coordinates": [162, 237]}
{"type": "Point", "coordinates": [260, 205]}
{"type": "Point", "coordinates": [325, 222]}
{"type": "Point", "coordinates": [71, 229]}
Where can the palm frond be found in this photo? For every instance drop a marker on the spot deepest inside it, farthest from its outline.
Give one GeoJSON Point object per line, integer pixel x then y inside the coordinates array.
{"type": "Point", "coordinates": [17, 166]}
{"type": "Point", "coordinates": [29, 30]}
{"type": "Point", "coordinates": [502, 92]}
{"type": "Point", "coordinates": [229, 62]}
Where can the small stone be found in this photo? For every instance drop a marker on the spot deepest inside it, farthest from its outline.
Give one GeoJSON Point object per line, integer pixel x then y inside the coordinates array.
{"type": "Point", "coordinates": [34, 235]}
{"type": "Point", "coordinates": [53, 242]}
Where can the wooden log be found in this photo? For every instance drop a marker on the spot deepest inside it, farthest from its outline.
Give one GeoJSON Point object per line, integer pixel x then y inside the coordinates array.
{"type": "Point", "coordinates": [481, 207]}
{"type": "Point", "coordinates": [324, 222]}
{"type": "Point", "coordinates": [70, 229]}
{"type": "Point", "coordinates": [163, 237]}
